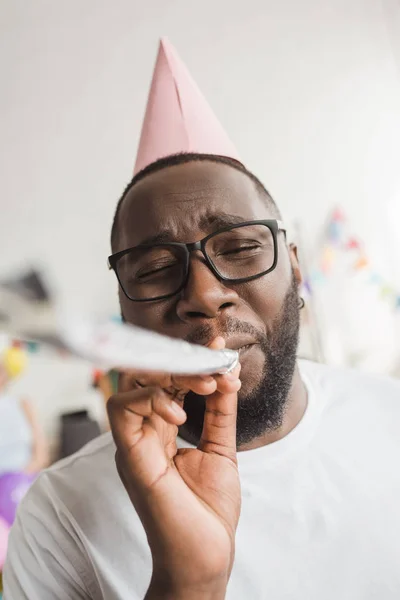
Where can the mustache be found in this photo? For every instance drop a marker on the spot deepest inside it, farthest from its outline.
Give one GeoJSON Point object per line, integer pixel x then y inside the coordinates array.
{"type": "Point", "coordinates": [204, 334]}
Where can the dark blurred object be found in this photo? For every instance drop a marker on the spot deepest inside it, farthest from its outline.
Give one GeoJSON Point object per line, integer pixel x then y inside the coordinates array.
{"type": "Point", "coordinates": [30, 286]}
{"type": "Point", "coordinates": [27, 309]}
{"type": "Point", "coordinates": [77, 429]}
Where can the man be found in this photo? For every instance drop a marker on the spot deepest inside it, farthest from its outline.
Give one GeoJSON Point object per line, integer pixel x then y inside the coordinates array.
{"type": "Point", "coordinates": [307, 509]}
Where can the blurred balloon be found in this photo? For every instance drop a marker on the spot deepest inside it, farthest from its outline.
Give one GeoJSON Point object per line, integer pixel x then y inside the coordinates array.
{"type": "Point", "coordinates": [13, 487]}
{"type": "Point", "coordinates": [14, 360]}
{"type": "Point", "coordinates": [4, 530]}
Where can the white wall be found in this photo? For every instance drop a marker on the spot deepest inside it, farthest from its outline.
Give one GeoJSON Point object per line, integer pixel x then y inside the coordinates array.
{"type": "Point", "coordinates": [309, 92]}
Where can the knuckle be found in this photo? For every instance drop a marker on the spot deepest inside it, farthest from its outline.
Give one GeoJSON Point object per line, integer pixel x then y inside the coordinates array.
{"type": "Point", "coordinates": [155, 394]}
{"type": "Point", "coordinates": [112, 402]}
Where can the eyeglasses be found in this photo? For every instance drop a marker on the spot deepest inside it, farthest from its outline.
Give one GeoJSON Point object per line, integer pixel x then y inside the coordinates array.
{"type": "Point", "coordinates": [237, 254]}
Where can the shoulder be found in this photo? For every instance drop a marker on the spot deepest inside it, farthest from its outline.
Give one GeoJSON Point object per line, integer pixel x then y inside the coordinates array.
{"type": "Point", "coordinates": [99, 454]}
{"type": "Point", "coordinates": [46, 552]}
{"type": "Point", "coordinates": [338, 382]}
{"type": "Point", "coordinates": [363, 400]}
{"type": "Point", "coordinates": [75, 479]}
{"type": "Point", "coordinates": [71, 522]}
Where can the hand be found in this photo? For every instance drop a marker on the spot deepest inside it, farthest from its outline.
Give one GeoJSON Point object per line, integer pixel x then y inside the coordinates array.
{"type": "Point", "coordinates": [189, 499]}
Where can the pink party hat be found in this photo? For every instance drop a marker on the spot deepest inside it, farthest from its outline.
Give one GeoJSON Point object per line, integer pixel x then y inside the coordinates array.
{"type": "Point", "coordinates": [178, 117]}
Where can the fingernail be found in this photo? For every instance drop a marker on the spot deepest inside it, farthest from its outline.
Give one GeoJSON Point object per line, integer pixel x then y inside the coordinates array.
{"type": "Point", "coordinates": [231, 376]}
{"type": "Point", "coordinates": [207, 378]}
{"type": "Point", "coordinates": [176, 409]}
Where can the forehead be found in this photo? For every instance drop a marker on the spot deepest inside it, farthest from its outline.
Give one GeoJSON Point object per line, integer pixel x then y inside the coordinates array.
{"type": "Point", "coordinates": [184, 202]}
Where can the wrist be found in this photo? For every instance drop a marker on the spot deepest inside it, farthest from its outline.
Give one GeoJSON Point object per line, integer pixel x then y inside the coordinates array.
{"type": "Point", "coordinates": [163, 588]}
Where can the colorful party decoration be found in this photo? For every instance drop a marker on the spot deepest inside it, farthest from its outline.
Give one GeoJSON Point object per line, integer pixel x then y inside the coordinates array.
{"type": "Point", "coordinates": [317, 276]}
{"type": "Point", "coordinates": [386, 291]}
{"type": "Point", "coordinates": [352, 244]}
{"type": "Point", "coordinates": [13, 487]}
{"type": "Point", "coordinates": [375, 279]}
{"type": "Point", "coordinates": [4, 531]}
{"type": "Point", "coordinates": [361, 263]}
{"type": "Point", "coordinates": [328, 258]}
{"type": "Point", "coordinates": [337, 240]}
{"type": "Point", "coordinates": [307, 287]}
{"type": "Point", "coordinates": [334, 231]}
{"type": "Point", "coordinates": [338, 215]}
{"type": "Point", "coordinates": [14, 360]}
{"type": "Point", "coordinates": [32, 347]}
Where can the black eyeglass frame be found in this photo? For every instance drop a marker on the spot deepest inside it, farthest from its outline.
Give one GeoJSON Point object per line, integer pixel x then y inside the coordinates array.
{"type": "Point", "coordinates": [274, 225]}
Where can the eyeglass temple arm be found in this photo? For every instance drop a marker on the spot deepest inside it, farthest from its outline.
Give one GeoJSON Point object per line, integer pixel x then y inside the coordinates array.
{"type": "Point", "coordinates": [281, 225]}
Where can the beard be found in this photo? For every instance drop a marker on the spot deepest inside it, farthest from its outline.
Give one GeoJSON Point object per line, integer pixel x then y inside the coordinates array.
{"type": "Point", "coordinates": [261, 409]}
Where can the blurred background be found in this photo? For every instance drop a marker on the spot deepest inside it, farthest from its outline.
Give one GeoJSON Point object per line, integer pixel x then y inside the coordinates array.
{"type": "Point", "coordinates": [308, 91]}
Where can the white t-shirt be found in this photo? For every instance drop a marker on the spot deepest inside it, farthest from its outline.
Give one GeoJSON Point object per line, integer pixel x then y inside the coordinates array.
{"type": "Point", "coordinates": [320, 513]}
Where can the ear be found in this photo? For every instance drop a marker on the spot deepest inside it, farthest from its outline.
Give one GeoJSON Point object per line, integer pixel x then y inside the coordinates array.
{"type": "Point", "coordinates": [294, 261]}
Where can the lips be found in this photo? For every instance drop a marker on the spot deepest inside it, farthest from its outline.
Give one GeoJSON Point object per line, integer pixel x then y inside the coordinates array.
{"type": "Point", "coordinates": [240, 342]}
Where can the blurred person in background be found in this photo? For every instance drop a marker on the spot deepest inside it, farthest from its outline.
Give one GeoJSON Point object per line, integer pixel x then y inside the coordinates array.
{"type": "Point", "coordinates": [106, 382]}
{"type": "Point", "coordinates": [277, 481]}
{"type": "Point", "coordinates": [23, 446]}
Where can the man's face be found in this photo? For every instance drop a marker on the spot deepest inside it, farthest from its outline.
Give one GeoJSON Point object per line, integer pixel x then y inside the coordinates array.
{"type": "Point", "coordinates": [185, 203]}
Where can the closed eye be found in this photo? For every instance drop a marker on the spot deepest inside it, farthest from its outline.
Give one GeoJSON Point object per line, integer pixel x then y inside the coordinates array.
{"type": "Point", "coordinates": [143, 274]}
{"type": "Point", "coordinates": [239, 250]}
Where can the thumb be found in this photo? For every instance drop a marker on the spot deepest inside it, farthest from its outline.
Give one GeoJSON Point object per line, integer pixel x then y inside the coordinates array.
{"type": "Point", "coordinates": [219, 425]}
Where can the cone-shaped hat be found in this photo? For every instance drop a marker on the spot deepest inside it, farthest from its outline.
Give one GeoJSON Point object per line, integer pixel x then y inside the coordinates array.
{"type": "Point", "coordinates": [178, 118]}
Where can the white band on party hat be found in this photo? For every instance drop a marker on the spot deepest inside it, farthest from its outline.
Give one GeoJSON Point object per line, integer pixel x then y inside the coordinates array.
{"type": "Point", "coordinates": [178, 117]}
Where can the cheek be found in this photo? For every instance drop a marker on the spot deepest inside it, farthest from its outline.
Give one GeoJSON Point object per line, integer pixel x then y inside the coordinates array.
{"type": "Point", "coordinates": [150, 315]}
{"type": "Point", "coordinates": [253, 367]}
{"type": "Point", "coordinates": [266, 295]}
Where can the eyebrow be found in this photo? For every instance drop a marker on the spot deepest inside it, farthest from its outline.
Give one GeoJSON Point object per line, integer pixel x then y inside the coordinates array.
{"type": "Point", "coordinates": [211, 222]}
{"type": "Point", "coordinates": [219, 220]}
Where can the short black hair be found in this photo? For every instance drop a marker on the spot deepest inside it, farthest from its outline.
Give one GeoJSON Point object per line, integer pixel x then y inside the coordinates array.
{"type": "Point", "coordinates": [180, 159]}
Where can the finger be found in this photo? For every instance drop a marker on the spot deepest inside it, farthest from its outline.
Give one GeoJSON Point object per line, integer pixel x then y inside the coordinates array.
{"type": "Point", "coordinates": [132, 380]}
{"type": "Point", "coordinates": [177, 386]}
{"type": "Point", "coordinates": [203, 385]}
{"type": "Point", "coordinates": [229, 382]}
{"type": "Point", "coordinates": [219, 426]}
{"type": "Point", "coordinates": [218, 343]}
{"type": "Point", "coordinates": [142, 457]}
{"type": "Point", "coordinates": [128, 410]}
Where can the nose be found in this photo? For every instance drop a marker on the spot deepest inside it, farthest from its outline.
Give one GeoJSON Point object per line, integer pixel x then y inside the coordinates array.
{"type": "Point", "coordinates": [204, 296]}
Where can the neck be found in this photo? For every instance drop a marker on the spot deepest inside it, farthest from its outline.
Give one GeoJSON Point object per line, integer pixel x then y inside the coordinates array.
{"type": "Point", "coordinates": [295, 409]}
